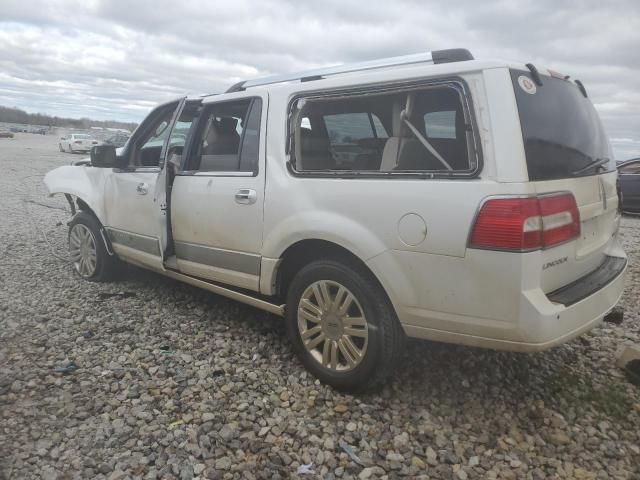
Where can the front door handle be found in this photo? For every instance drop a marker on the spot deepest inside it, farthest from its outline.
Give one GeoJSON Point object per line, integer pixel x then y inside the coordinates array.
{"type": "Point", "coordinates": [246, 196]}
{"type": "Point", "coordinates": [142, 188]}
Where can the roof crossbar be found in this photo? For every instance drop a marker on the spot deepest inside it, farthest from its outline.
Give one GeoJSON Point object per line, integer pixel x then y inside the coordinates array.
{"type": "Point", "coordinates": [437, 56]}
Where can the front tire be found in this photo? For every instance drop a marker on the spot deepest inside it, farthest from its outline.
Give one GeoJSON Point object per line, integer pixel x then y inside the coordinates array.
{"type": "Point", "coordinates": [87, 250]}
{"type": "Point", "coordinates": [342, 325]}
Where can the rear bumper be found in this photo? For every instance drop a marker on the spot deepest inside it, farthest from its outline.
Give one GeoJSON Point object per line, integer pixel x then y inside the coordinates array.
{"type": "Point", "coordinates": [543, 321]}
{"type": "Point", "coordinates": [607, 272]}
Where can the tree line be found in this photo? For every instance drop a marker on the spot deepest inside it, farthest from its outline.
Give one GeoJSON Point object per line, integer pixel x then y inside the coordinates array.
{"type": "Point", "coordinates": [15, 115]}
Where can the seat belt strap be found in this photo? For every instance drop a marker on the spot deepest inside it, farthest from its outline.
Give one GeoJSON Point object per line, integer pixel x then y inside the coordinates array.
{"type": "Point", "coordinates": [426, 144]}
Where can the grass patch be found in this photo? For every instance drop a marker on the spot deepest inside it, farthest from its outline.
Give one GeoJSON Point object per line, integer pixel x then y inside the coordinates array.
{"type": "Point", "coordinates": [609, 398]}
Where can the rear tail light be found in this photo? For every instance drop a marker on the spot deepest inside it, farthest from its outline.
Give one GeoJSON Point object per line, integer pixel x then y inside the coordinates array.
{"type": "Point", "coordinates": [525, 224]}
{"type": "Point", "coordinates": [78, 141]}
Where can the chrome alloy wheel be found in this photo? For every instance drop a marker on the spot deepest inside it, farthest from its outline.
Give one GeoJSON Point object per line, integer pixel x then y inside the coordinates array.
{"type": "Point", "coordinates": [82, 247]}
{"type": "Point", "coordinates": [332, 325]}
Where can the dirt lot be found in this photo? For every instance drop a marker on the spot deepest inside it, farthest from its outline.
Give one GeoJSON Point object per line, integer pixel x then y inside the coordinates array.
{"type": "Point", "coordinates": [173, 382]}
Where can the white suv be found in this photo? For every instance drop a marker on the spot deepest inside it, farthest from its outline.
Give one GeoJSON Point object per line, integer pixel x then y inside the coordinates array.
{"type": "Point", "coordinates": [433, 196]}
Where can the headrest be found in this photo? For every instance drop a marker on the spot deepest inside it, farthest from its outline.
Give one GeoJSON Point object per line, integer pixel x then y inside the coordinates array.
{"type": "Point", "coordinates": [227, 125]}
{"type": "Point", "coordinates": [311, 143]}
{"type": "Point", "coordinates": [212, 131]}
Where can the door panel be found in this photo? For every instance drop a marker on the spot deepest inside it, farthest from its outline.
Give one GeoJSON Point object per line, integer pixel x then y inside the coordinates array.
{"type": "Point", "coordinates": [133, 203]}
{"type": "Point", "coordinates": [133, 216]}
{"type": "Point", "coordinates": [216, 236]}
{"type": "Point", "coordinates": [217, 216]}
{"type": "Point", "coordinates": [186, 114]}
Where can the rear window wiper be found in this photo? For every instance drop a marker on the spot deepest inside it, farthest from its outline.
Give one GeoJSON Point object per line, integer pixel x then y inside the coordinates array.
{"type": "Point", "coordinates": [598, 162]}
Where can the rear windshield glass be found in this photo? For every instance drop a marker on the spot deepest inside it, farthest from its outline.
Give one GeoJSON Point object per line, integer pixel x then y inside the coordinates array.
{"type": "Point", "coordinates": [562, 133]}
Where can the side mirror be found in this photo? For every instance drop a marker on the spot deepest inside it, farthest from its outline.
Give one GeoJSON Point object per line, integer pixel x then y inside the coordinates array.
{"type": "Point", "coordinates": [104, 156]}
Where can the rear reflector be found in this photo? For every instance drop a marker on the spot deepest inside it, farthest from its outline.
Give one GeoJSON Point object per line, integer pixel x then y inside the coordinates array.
{"type": "Point", "coordinates": [525, 224]}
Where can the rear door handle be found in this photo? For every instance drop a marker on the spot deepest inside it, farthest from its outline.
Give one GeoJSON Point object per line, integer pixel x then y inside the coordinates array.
{"type": "Point", "coordinates": [246, 196]}
{"type": "Point", "coordinates": [142, 188]}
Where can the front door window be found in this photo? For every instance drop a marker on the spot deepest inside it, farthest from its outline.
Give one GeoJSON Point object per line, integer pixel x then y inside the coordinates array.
{"type": "Point", "coordinates": [148, 149]}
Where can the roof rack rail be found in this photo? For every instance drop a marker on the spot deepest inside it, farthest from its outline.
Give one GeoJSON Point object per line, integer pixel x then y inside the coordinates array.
{"type": "Point", "coordinates": [434, 57]}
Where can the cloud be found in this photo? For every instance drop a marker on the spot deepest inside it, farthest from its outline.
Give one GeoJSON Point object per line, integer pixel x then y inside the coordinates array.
{"type": "Point", "coordinates": [116, 58]}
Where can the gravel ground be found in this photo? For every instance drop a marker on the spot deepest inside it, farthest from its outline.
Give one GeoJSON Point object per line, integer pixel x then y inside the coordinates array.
{"type": "Point", "coordinates": [173, 382]}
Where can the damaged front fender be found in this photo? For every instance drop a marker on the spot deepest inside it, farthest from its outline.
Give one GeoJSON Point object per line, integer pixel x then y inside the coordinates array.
{"type": "Point", "coordinates": [84, 182]}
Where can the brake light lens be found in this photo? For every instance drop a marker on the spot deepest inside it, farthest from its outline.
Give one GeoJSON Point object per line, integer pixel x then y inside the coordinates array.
{"type": "Point", "coordinates": [78, 141]}
{"type": "Point", "coordinates": [525, 224]}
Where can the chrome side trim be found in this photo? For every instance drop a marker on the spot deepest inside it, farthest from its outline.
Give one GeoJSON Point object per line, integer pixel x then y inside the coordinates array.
{"type": "Point", "coordinates": [227, 292]}
{"type": "Point", "coordinates": [137, 169]}
{"type": "Point", "coordinates": [107, 245]}
{"type": "Point", "coordinates": [197, 173]}
{"type": "Point", "coordinates": [135, 241]}
{"type": "Point", "coordinates": [218, 275]}
{"type": "Point", "coordinates": [216, 257]}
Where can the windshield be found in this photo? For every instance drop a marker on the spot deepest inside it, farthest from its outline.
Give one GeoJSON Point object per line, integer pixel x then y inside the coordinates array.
{"type": "Point", "coordinates": [81, 137]}
{"type": "Point", "coordinates": [562, 133]}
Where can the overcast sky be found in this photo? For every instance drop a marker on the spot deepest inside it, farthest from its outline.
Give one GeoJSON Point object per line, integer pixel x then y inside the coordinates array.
{"type": "Point", "coordinates": [115, 59]}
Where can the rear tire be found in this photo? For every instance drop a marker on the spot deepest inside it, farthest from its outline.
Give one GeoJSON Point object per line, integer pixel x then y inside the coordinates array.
{"type": "Point", "coordinates": [60, 147]}
{"type": "Point", "coordinates": [70, 149]}
{"type": "Point", "coordinates": [87, 249]}
{"type": "Point", "coordinates": [352, 336]}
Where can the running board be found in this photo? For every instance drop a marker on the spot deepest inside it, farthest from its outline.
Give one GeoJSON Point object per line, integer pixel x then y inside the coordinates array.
{"type": "Point", "coordinates": [227, 292]}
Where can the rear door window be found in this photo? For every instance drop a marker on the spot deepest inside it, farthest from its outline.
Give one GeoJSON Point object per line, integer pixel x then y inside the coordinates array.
{"type": "Point", "coordinates": [228, 137]}
{"type": "Point", "coordinates": [562, 133]}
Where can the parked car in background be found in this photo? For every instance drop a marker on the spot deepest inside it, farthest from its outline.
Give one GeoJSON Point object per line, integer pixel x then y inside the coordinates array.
{"type": "Point", "coordinates": [118, 140]}
{"type": "Point", "coordinates": [76, 142]}
{"type": "Point", "coordinates": [4, 133]}
{"type": "Point", "coordinates": [629, 184]}
{"type": "Point", "coordinates": [432, 196]}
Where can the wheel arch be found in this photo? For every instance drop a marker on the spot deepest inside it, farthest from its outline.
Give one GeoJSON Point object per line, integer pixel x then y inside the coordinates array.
{"type": "Point", "coordinates": [86, 188]}
{"type": "Point", "coordinates": [302, 252]}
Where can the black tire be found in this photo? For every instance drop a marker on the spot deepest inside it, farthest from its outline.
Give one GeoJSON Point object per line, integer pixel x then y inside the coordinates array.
{"type": "Point", "coordinates": [70, 149]}
{"type": "Point", "coordinates": [105, 264]}
{"type": "Point", "coordinates": [385, 335]}
{"type": "Point", "coordinates": [60, 147]}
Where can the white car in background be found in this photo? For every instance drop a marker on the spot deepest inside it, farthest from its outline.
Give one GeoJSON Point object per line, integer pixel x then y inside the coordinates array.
{"type": "Point", "coordinates": [76, 142]}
